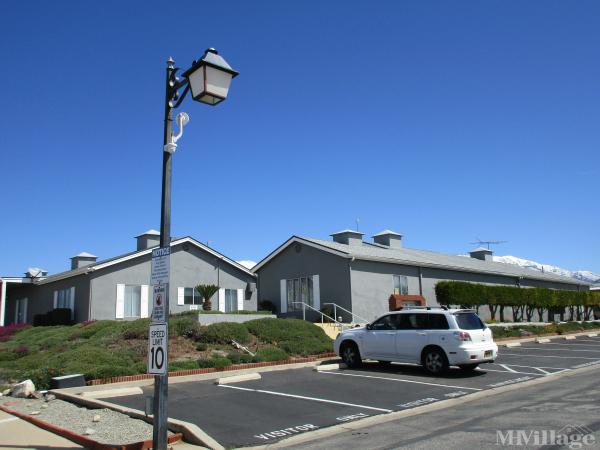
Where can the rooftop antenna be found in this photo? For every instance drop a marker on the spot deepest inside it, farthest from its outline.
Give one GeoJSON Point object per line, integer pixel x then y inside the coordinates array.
{"type": "Point", "coordinates": [488, 243]}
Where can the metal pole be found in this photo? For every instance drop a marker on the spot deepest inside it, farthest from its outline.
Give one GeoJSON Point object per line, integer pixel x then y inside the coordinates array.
{"type": "Point", "coordinates": [161, 382]}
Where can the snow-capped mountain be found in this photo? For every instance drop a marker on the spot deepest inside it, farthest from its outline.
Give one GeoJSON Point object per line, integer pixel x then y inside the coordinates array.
{"type": "Point", "coordinates": [584, 275]}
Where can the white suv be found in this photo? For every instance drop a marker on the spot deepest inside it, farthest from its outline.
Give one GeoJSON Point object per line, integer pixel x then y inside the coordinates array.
{"type": "Point", "coordinates": [434, 337]}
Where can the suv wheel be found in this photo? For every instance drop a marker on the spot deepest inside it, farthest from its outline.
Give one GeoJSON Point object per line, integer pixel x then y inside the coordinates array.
{"type": "Point", "coordinates": [350, 355]}
{"type": "Point", "coordinates": [435, 361]}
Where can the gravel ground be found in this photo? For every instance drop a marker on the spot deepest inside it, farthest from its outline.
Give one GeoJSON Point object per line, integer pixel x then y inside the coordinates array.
{"type": "Point", "coordinates": [112, 427]}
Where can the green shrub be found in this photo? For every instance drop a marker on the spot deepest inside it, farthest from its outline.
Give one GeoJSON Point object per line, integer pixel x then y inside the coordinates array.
{"type": "Point", "coordinates": [268, 305]}
{"type": "Point", "coordinates": [271, 354]}
{"type": "Point", "coordinates": [187, 327]}
{"type": "Point", "coordinates": [240, 358]}
{"type": "Point", "coordinates": [224, 332]}
{"type": "Point", "coordinates": [41, 377]}
{"type": "Point", "coordinates": [183, 365]}
{"type": "Point", "coordinates": [81, 331]}
{"type": "Point", "coordinates": [296, 337]}
{"type": "Point", "coordinates": [201, 347]}
{"type": "Point", "coordinates": [136, 329]}
{"type": "Point", "coordinates": [218, 362]}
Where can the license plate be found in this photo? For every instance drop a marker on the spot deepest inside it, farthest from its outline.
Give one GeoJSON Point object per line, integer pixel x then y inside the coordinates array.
{"type": "Point", "coordinates": [488, 354]}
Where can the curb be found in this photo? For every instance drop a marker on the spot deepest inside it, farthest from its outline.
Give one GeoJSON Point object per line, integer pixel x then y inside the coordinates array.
{"type": "Point", "coordinates": [548, 337]}
{"type": "Point", "coordinates": [383, 418]}
{"type": "Point", "coordinates": [83, 440]}
{"type": "Point", "coordinates": [238, 378]}
{"type": "Point", "coordinates": [325, 367]}
{"type": "Point", "coordinates": [178, 373]}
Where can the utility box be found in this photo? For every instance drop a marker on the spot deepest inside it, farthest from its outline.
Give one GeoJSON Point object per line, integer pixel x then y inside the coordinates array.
{"type": "Point", "coordinates": [397, 301]}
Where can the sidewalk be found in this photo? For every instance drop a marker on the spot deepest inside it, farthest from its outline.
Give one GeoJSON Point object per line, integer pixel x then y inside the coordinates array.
{"type": "Point", "coordinates": [16, 434]}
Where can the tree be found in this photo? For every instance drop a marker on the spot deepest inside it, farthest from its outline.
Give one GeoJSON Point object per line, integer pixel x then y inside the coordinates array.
{"type": "Point", "coordinates": [206, 291]}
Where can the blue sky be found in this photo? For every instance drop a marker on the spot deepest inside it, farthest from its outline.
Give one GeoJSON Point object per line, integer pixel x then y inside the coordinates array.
{"type": "Point", "coordinates": [444, 121]}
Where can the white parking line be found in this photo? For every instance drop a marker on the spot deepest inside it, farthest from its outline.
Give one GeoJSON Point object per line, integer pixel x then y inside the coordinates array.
{"type": "Point", "coordinates": [301, 397]}
{"type": "Point", "coordinates": [572, 345]}
{"type": "Point", "coordinates": [505, 371]}
{"type": "Point", "coordinates": [399, 380]}
{"type": "Point", "coordinates": [558, 349]}
{"type": "Point", "coordinates": [597, 341]}
{"type": "Point", "coordinates": [539, 367]}
{"type": "Point", "coordinates": [508, 369]}
{"type": "Point", "coordinates": [546, 356]}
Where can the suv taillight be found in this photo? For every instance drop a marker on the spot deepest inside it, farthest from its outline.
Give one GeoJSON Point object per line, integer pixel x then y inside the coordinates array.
{"type": "Point", "coordinates": [462, 336]}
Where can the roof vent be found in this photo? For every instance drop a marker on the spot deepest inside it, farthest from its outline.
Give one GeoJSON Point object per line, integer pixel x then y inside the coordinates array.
{"type": "Point", "coordinates": [388, 238]}
{"type": "Point", "coordinates": [36, 272]}
{"type": "Point", "coordinates": [82, 260]}
{"type": "Point", "coordinates": [348, 237]}
{"type": "Point", "coordinates": [149, 239]}
{"type": "Point", "coordinates": [482, 253]}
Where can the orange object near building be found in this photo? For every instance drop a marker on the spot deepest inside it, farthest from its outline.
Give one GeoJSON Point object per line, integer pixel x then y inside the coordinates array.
{"type": "Point", "coordinates": [397, 301]}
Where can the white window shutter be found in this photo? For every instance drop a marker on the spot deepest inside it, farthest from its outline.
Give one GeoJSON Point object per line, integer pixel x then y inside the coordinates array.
{"type": "Point", "coordinates": [144, 301]}
{"type": "Point", "coordinates": [25, 310]}
{"type": "Point", "coordinates": [240, 299]}
{"type": "Point", "coordinates": [221, 301]}
{"type": "Point", "coordinates": [55, 299]}
{"type": "Point", "coordinates": [180, 296]}
{"type": "Point", "coordinates": [120, 313]}
{"type": "Point", "coordinates": [283, 296]}
{"type": "Point", "coordinates": [72, 302]}
{"type": "Point", "coordinates": [316, 292]}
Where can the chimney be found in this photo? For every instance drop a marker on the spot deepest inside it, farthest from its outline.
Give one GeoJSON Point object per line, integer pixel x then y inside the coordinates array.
{"type": "Point", "coordinates": [348, 237]}
{"type": "Point", "coordinates": [388, 238]}
{"type": "Point", "coordinates": [482, 253]}
{"type": "Point", "coordinates": [149, 239]}
{"type": "Point", "coordinates": [82, 260]}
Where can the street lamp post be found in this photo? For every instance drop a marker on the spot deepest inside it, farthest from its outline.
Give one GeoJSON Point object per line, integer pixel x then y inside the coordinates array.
{"type": "Point", "coordinates": [208, 79]}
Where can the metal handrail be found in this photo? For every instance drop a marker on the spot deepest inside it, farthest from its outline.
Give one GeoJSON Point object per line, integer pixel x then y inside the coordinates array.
{"type": "Point", "coordinates": [316, 310]}
{"type": "Point", "coordinates": [336, 306]}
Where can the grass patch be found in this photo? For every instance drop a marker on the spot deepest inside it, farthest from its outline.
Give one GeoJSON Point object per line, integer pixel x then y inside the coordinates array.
{"type": "Point", "coordinates": [536, 330]}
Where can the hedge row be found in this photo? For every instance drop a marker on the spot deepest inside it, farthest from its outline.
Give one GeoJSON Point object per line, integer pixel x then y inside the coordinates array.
{"type": "Point", "coordinates": [523, 301]}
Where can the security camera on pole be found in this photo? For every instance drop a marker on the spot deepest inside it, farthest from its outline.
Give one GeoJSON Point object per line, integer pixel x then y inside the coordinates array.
{"type": "Point", "coordinates": [208, 79]}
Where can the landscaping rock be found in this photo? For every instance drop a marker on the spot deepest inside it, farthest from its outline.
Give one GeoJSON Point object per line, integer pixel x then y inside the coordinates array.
{"type": "Point", "coordinates": [34, 413]}
{"type": "Point", "coordinates": [6, 392]}
{"type": "Point", "coordinates": [96, 418]}
{"type": "Point", "coordinates": [49, 397]}
{"type": "Point", "coordinates": [23, 389]}
{"type": "Point", "coordinates": [89, 431]}
{"type": "Point", "coordinates": [37, 394]}
{"type": "Point", "coordinates": [44, 406]}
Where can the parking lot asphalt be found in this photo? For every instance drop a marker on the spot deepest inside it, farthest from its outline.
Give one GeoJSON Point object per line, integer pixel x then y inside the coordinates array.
{"type": "Point", "coordinates": [289, 402]}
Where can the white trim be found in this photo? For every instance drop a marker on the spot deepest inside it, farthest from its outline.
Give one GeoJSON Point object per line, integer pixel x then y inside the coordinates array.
{"type": "Point", "coordinates": [316, 292]}
{"type": "Point", "coordinates": [3, 303]}
{"type": "Point", "coordinates": [240, 299]}
{"type": "Point", "coordinates": [144, 301]}
{"type": "Point", "coordinates": [72, 301]}
{"type": "Point", "coordinates": [292, 240]}
{"type": "Point", "coordinates": [120, 303]}
{"type": "Point", "coordinates": [221, 300]}
{"type": "Point", "coordinates": [55, 304]}
{"type": "Point", "coordinates": [348, 255]}
{"type": "Point", "coordinates": [283, 296]}
{"type": "Point", "coordinates": [180, 296]}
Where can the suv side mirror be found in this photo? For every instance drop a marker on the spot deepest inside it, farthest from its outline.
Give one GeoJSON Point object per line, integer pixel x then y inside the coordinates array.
{"type": "Point", "coordinates": [369, 326]}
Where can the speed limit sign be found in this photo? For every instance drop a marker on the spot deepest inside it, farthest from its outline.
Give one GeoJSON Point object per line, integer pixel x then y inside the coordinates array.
{"type": "Point", "coordinates": [157, 349]}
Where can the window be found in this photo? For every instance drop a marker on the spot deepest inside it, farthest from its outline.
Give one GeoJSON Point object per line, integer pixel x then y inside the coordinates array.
{"type": "Point", "coordinates": [299, 290]}
{"type": "Point", "coordinates": [231, 302]}
{"type": "Point", "coordinates": [385, 323]}
{"type": "Point", "coordinates": [413, 321]}
{"type": "Point", "coordinates": [191, 297]}
{"type": "Point", "coordinates": [469, 321]}
{"type": "Point", "coordinates": [63, 298]}
{"type": "Point", "coordinates": [400, 285]}
{"type": "Point", "coordinates": [437, 322]}
{"type": "Point", "coordinates": [133, 300]}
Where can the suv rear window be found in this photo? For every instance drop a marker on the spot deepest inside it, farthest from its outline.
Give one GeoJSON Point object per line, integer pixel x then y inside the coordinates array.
{"type": "Point", "coordinates": [469, 321]}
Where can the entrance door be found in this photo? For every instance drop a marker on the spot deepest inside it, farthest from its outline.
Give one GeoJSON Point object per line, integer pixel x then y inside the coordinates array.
{"type": "Point", "coordinates": [21, 311]}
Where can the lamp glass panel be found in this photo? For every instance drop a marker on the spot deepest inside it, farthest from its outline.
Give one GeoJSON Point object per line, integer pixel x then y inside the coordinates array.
{"type": "Point", "coordinates": [217, 82]}
{"type": "Point", "coordinates": [197, 82]}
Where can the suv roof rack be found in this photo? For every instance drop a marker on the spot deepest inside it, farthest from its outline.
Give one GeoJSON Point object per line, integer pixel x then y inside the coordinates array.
{"type": "Point", "coordinates": [428, 308]}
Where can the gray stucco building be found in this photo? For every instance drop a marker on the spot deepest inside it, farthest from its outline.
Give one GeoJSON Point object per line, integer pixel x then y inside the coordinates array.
{"type": "Point", "coordinates": [119, 288]}
{"type": "Point", "coordinates": [360, 276]}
